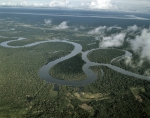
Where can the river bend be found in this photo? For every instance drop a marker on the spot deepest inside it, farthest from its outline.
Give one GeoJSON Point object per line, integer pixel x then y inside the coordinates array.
{"type": "Point", "coordinates": [91, 76]}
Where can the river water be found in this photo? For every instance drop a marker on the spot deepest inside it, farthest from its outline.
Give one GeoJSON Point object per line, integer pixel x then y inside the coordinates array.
{"type": "Point", "coordinates": [91, 76]}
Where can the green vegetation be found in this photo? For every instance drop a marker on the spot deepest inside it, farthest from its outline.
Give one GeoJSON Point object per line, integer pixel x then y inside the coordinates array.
{"type": "Point", "coordinates": [111, 96]}
{"type": "Point", "coordinates": [21, 43]}
{"type": "Point", "coordinates": [19, 80]}
{"type": "Point", "coordinates": [84, 41]}
{"type": "Point", "coordinates": [24, 95]}
{"type": "Point", "coordinates": [5, 39]}
{"type": "Point", "coordinates": [134, 65]}
{"type": "Point", "coordinates": [104, 55]}
{"type": "Point", "coordinates": [122, 101]}
{"type": "Point", "coordinates": [70, 69]}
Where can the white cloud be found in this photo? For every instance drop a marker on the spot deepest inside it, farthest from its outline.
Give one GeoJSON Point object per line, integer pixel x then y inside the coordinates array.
{"type": "Point", "coordinates": [99, 4]}
{"type": "Point", "coordinates": [37, 4]}
{"type": "Point", "coordinates": [114, 27]}
{"type": "Point", "coordinates": [47, 21]}
{"type": "Point", "coordinates": [102, 29]}
{"type": "Point", "coordinates": [24, 3]}
{"type": "Point", "coordinates": [63, 25]}
{"type": "Point", "coordinates": [82, 27]}
{"type": "Point", "coordinates": [82, 4]}
{"type": "Point", "coordinates": [131, 62]}
{"type": "Point", "coordinates": [75, 29]}
{"type": "Point", "coordinates": [132, 28]}
{"type": "Point", "coordinates": [124, 5]}
{"type": "Point", "coordinates": [114, 40]}
{"type": "Point", "coordinates": [97, 31]}
{"type": "Point", "coordinates": [59, 3]}
{"type": "Point", "coordinates": [128, 60]}
{"type": "Point", "coordinates": [141, 44]}
{"type": "Point", "coordinates": [3, 3]}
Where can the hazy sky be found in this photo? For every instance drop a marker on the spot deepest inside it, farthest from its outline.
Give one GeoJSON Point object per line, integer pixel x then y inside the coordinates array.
{"type": "Point", "coordinates": [126, 5]}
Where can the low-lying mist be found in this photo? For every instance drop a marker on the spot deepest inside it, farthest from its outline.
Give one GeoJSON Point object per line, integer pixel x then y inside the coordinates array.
{"type": "Point", "coordinates": [136, 38]}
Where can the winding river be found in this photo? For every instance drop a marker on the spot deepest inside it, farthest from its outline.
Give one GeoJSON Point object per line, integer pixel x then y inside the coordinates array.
{"type": "Point", "coordinates": [91, 76]}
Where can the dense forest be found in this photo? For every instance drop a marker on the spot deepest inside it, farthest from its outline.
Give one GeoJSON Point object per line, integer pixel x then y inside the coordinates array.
{"type": "Point", "coordinates": [104, 55]}
{"type": "Point", "coordinates": [70, 69]}
{"type": "Point", "coordinates": [23, 94]}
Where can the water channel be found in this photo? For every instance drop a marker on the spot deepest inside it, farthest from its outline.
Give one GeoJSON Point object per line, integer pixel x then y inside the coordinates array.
{"type": "Point", "coordinates": [91, 76]}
